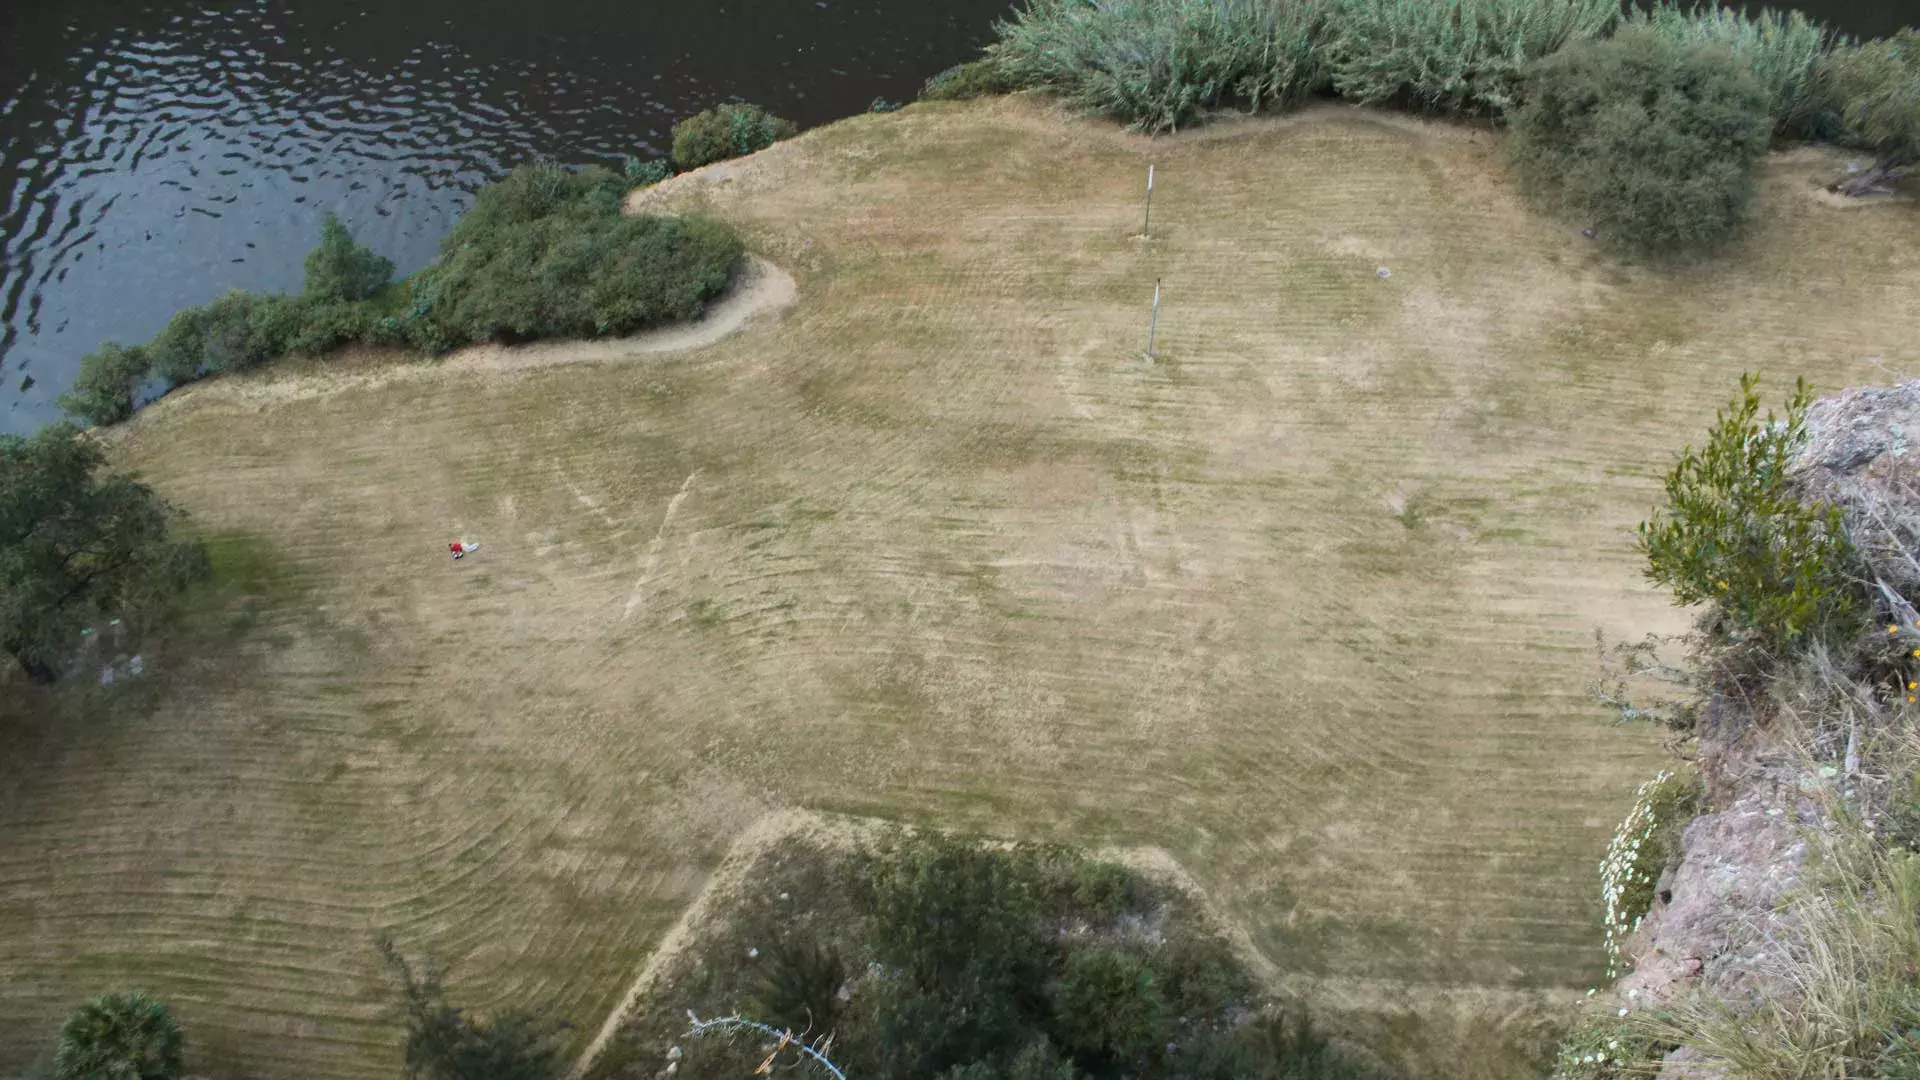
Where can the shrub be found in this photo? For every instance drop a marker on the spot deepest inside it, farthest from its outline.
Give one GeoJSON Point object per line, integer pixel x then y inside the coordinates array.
{"type": "Point", "coordinates": [641, 174]}
{"type": "Point", "coordinates": [1733, 533]}
{"type": "Point", "coordinates": [975, 78]}
{"type": "Point", "coordinates": [340, 269]}
{"type": "Point", "coordinates": [562, 276]}
{"type": "Point", "coordinates": [119, 1037]}
{"type": "Point", "coordinates": [1653, 142]}
{"type": "Point", "coordinates": [801, 988]}
{"type": "Point", "coordinates": [1109, 1004]}
{"type": "Point", "coordinates": [728, 131]}
{"type": "Point", "coordinates": [1785, 53]}
{"type": "Point", "coordinates": [954, 918]}
{"type": "Point", "coordinates": [1460, 56]}
{"type": "Point", "coordinates": [103, 391]}
{"type": "Point", "coordinates": [1645, 845]}
{"type": "Point", "coordinates": [226, 334]}
{"type": "Point", "coordinates": [1878, 88]}
{"type": "Point", "coordinates": [179, 350]}
{"type": "Point", "coordinates": [1039, 1060]}
{"type": "Point", "coordinates": [1159, 63]}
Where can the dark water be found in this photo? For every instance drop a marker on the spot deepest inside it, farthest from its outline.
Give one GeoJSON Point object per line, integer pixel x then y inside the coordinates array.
{"type": "Point", "coordinates": [155, 154]}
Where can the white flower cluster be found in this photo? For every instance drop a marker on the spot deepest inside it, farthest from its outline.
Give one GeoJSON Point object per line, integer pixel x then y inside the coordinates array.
{"type": "Point", "coordinates": [1620, 871]}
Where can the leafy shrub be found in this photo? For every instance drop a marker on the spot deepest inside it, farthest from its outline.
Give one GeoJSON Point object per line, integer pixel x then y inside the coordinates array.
{"type": "Point", "coordinates": [1159, 63]}
{"type": "Point", "coordinates": [1734, 534]}
{"type": "Point", "coordinates": [1653, 142]}
{"type": "Point", "coordinates": [1785, 53]}
{"type": "Point", "coordinates": [1460, 56]}
{"type": "Point", "coordinates": [565, 276]}
{"type": "Point", "coordinates": [801, 988]}
{"type": "Point", "coordinates": [103, 391]}
{"type": "Point", "coordinates": [975, 78]}
{"type": "Point", "coordinates": [1109, 1004]}
{"type": "Point", "coordinates": [1198, 973]}
{"type": "Point", "coordinates": [1102, 891]}
{"type": "Point", "coordinates": [1039, 1060]}
{"type": "Point", "coordinates": [1281, 1043]}
{"type": "Point", "coordinates": [340, 269]}
{"type": "Point", "coordinates": [955, 918]}
{"type": "Point", "coordinates": [179, 350]}
{"type": "Point", "coordinates": [728, 131]}
{"type": "Point", "coordinates": [647, 173]}
{"type": "Point", "coordinates": [120, 1037]}
{"type": "Point", "coordinates": [226, 334]}
{"type": "Point", "coordinates": [1878, 87]}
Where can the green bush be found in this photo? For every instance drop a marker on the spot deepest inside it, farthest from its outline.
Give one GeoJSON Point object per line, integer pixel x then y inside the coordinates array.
{"type": "Point", "coordinates": [641, 174]}
{"type": "Point", "coordinates": [1458, 56]}
{"type": "Point", "coordinates": [728, 131]}
{"type": "Point", "coordinates": [1158, 64]}
{"type": "Point", "coordinates": [1652, 142]}
{"type": "Point", "coordinates": [801, 987]}
{"type": "Point", "coordinates": [226, 334]}
{"type": "Point", "coordinates": [954, 918]}
{"type": "Point", "coordinates": [340, 269]}
{"type": "Point", "coordinates": [1733, 533]}
{"type": "Point", "coordinates": [179, 350]}
{"type": "Point", "coordinates": [1785, 53]}
{"type": "Point", "coordinates": [975, 78]}
{"type": "Point", "coordinates": [119, 1037]}
{"type": "Point", "coordinates": [1110, 1005]}
{"type": "Point", "coordinates": [103, 391]}
{"type": "Point", "coordinates": [1878, 87]}
{"type": "Point", "coordinates": [567, 276]}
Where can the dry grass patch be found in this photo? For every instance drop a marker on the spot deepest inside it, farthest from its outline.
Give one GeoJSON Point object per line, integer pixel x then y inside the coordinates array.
{"type": "Point", "coordinates": [1307, 604]}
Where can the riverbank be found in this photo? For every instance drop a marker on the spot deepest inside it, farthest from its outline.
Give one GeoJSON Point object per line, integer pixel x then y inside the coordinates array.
{"type": "Point", "coordinates": [1306, 601]}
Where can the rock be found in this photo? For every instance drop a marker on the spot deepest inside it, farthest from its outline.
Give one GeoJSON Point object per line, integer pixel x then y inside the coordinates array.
{"type": "Point", "coordinates": [753, 954]}
{"type": "Point", "coordinates": [673, 1052]}
{"type": "Point", "coordinates": [1856, 456]}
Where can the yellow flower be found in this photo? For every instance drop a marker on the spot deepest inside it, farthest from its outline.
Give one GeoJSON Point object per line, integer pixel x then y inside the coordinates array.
{"type": "Point", "coordinates": [1913, 686]}
{"type": "Point", "coordinates": [1893, 629]}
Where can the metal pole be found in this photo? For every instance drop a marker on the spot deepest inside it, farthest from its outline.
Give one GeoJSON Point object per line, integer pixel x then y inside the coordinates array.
{"type": "Point", "coordinates": [1154, 326]}
{"type": "Point", "coordinates": [1146, 229]}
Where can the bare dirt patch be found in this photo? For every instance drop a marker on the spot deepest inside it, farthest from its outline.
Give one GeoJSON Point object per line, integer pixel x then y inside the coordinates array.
{"type": "Point", "coordinates": [1308, 603]}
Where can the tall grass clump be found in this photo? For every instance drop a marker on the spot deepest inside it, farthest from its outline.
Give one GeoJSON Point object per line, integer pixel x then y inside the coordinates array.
{"type": "Point", "coordinates": [1653, 142]}
{"type": "Point", "coordinates": [1459, 56]}
{"type": "Point", "coordinates": [1158, 64]}
{"type": "Point", "coordinates": [1784, 51]}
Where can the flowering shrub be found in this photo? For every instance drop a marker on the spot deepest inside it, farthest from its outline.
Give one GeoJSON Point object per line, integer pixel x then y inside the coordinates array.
{"type": "Point", "coordinates": [1638, 855]}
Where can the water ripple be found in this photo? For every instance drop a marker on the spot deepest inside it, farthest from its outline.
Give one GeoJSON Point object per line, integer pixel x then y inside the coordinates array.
{"type": "Point", "coordinates": [152, 158]}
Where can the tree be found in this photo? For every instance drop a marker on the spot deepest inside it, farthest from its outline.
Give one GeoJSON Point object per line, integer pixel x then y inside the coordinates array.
{"type": "Point", "coordinates": [340, 269]}
{"type": "Point", "coordinates": [733, 130]}
{"type": "Point", "coordinates": [1651, 140]}
{"type": "Point", "coordinates": [103, 391]}
{"type": "Point", "coordinates": [444, 1043]}
{"type": "Point", "coordinates": [75, 546]}
{"type": "Point", "coordinates": [127, 1036]}
{"type": "Point", "coordinates": [1879, 86]}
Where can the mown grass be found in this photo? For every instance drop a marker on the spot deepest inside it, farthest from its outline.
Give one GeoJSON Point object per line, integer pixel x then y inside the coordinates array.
{"type": "Point", "coordinates": [1022, 582]}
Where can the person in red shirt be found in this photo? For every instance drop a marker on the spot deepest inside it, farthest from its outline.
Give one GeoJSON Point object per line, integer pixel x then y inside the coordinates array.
{"type": "Point", "coordinates": [461, 547]}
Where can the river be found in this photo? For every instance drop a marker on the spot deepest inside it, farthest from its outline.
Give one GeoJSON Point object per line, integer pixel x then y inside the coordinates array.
{"type": "Point", "coordinates": [153, 156]}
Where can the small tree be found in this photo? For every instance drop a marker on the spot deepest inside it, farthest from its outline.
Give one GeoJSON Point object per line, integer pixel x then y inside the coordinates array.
{"type": "Point", "coordinates": [733, 130]}
{"type": "Point", "coordinates": [444, 1043]}
{"type": "Point", "coordinates": [1109, 1005]}
{"type": "Point", "coordinates": [103, 391]}
{"type": "Point", "coordinates": [1734, 534]}
{"type": "Point", "coordinates": [1652, 140]}
{"type": "Point", "coordinates": [127, 1036]}
{"type": "Point", "coordinates": [1879, 87]}
{"type": "Point", "coordinates": [340, 269]}
{"type": "Point", "coordinates": [75, 546]}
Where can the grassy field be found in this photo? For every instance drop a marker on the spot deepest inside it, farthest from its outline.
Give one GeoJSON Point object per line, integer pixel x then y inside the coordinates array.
{"type": "Point", "coordinates": [1308, 603]}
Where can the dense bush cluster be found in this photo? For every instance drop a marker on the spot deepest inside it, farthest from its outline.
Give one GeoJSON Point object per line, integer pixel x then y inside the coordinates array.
{"type": "Point", "coordinates": [942, 959]}
{"type": "Point", "coordinates": [727, 131]}
{"type": "Point", "coordinates": [1785, 53]}
{"type": "Point", "coordinates": [1650, 139]}
{"type": "Point", "coordinates": [545, 252]}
